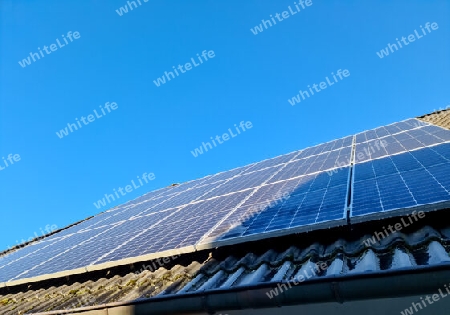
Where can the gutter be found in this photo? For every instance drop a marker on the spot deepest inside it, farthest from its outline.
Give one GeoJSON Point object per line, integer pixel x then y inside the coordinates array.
{"type": "Point", "coordinates": [339, 289]}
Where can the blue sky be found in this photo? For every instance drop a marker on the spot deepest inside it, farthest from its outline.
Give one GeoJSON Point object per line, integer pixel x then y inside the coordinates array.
{"type": "Point", "coordinates": [154, 129]}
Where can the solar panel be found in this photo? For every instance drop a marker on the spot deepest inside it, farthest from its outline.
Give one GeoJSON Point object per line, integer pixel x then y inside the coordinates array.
{"type": "Point", "coordinates": [394, 167]}
{"type": "Point", "coordinates": [311, 199]}
{"type": "Point", "coordinates": [405, 173]}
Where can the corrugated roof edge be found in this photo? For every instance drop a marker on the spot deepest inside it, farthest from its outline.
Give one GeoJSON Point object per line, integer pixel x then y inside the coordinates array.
{"type": "Point", "coordinates": [440, 118]}
{"type": "Point", "coordinates": [435, 112]}
{"type": "Point", "coordinates": [340, 289]}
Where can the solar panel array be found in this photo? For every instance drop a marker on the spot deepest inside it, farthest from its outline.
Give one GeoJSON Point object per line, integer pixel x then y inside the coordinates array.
{"type": "Point", "coordinates": [303, 189]}
{"type": "Point", "coordinates": [400, 166]}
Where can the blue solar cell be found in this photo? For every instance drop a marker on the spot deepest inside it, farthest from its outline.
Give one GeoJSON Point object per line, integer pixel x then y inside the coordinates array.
{"type": "Point", "coordinates": [444, 135]}
{"type": "Point", "coordinates": [394, 192]}
{"type": "Point", "coordinates": [149, 196]}
{"type": "Point", "coordinates": [402, 136]}
{"type": "Point", "coordinates": [364, 171]}
{"type": "Point", "coordinates": [424, 187]}
{"type": "Point", "coordinates": [347, 141]}
{"type": "Point", "coordinates": [443, 150]}
{"type": "Point", "coordinates": [414, 123]}
{"type": "Point", "coordinates": [339, 177]}
{"type": "Point", "coordinates": [362, 152]}
{"type": "Point", "coordinates": [411, 144]}
{"type": "Point", "coordinates": [394, 147]}
{"type": "Point", "coordinates": [243, 182]}
{"type": "Point", "coordinates": [405, 162]}
{"type": "Point", "coordinates": [428, 157]}
{"type": "Point", "coordinates": [338, 144]}
{"type": "Point", "coordinates": [330, 162]}
{"type": "Point", "coordinates": [272, 162]}
{"type": "Point", "coordinates": [333, 204]}
{"type": "Point", "coordinates": [378, 150]}
{"type": "Point", "coordinates": [315, 167]}
{"type": "Point", "coordinates": [314, 150]}
{"type": "Point", "coordinates": [418, 132]}
{"type": "Point", "coordinates": [392, 129]}
{"type": "Point", "coordinates": [361, 137]}
{"type": "Point", "coordinates": [366, 198]}
{"type": "Point", "coordinates": [321, 181]}
{"type": "Point", "coordinates": [225, 175]}
{"type": "Point", "coordinates": [321, 148]}
{"type": "Point", "coordinates": [381, 132]}
{"type": "Point", "coordinates": [329, 146]}
{"type": "Point", "coordinates": [262, 220]}
{"type": "Point", "coordinates": [371, 135]}
{"type": "Point", "coordinates": [402, 125]}
{"type": "Point", "coordinates": [313, 164]}
{"type": "Point", "coordinates": [431, 129]}
{"type": "Point", "coordinates": [296, 168]}
{"type": "Point", "coordinates": [442, 174]}
{"type": "Point", "coordinates": [428, 140]}
{"type": "Point", "coordinates": [383, 167]}
{"type": "Point", "coordinates": [304, 153]}
{"type": "Point", "coordinates": [309, 209]}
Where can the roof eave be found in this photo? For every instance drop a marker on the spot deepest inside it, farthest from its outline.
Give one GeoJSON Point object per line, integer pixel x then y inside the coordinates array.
{"type": "Point", "coordinates": [339, 289]}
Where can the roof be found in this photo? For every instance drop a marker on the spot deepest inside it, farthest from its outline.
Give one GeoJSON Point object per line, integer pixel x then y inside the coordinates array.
{"type": "Point", "coordinates": [439, 118]}
{"type": "Point", "coordinates": [342, 252]}
{"type": "Point", "coordinates": [421, 247]}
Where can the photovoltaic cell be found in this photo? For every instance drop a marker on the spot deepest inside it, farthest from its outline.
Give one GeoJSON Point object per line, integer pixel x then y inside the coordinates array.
{"type": "Point", "coordinates": [226, 175]}
{"type": "Point", "coordinates": [361, 137]}
{"type": "Point", "coordinates": [393, 129]}
{"type": "Point", "coordinates": [245, 181]}
{"type": "Point", "coordinates": [272, 162]}
{"type": "Point", "coordinates": [316, 150]}
{"type": "Point", "coordinates": [381, 132]}
{"type": "Point", "coordinates": [414, 123]}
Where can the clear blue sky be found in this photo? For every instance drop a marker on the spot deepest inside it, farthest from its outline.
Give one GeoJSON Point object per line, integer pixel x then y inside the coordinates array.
{"type": "Point", "coordinates": [154, 129]}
